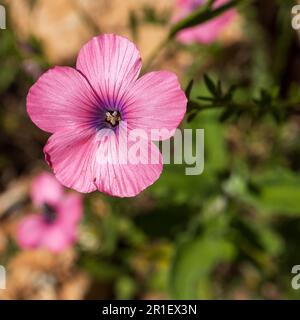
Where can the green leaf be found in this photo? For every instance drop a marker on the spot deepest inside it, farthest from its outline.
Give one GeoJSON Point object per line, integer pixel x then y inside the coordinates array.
{"type": "Point", "coordinates": [226, 114]}
{"type": "Point", "coordinates": [192, 106]}
{"type": "Point", "coordinates": [191, 116]}
{"type": "Point", "coordinates": [278, 192]}
{"type": "Point", "coordinates": [189, 88]}
{"type": "Point", "coordinates": [281, 194]}
{"type": "Point", "coordinates": [205, 98]}
{"type": "Point", "coordinates": [193, 264]}
{"type": "Point", "coordinates": [210, 85]}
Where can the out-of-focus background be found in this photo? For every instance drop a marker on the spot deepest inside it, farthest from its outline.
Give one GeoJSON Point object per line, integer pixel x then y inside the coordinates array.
{"type": "Point", "coordinates": [232, 232]}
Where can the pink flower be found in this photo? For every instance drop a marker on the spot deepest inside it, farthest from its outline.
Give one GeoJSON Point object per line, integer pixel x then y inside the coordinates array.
{"type": "Point", "coordinates": [87, 109]}
{"type": "Point", "coordinates": [55, 227]}
{"type": "Point", "coordinates": [207, 32]}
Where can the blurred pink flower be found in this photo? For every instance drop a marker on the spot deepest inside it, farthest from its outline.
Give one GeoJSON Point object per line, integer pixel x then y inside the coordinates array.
{"type": "Point", "coordinates": [79, 106]}
{"type": "Point", "coordinates": [55, 228]}
{"type": "Point", "coordinates": [207, 32]}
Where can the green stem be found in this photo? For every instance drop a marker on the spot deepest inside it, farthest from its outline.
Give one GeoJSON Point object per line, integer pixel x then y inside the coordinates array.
{"type": "Point", "coordinates": [203, 14]}
{"type": "Point", "coordinates": [200, 16]}
{"type": "Point", "coordinates": [291, 108]}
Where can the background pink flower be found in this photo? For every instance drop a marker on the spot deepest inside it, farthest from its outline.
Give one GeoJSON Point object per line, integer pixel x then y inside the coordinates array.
{"type": "Point", "coordinates": [55, 227]}
{"type": "Point", "coordinates": [207, 32]}
{"type": "Point", "coordinates": [104, 92]}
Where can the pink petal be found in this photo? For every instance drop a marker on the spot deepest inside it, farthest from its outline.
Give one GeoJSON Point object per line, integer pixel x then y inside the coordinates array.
{"type": "Point", "coordinates": [128, 180]}
{"type": "Point", "coordinates": [70, 154]}
{"type": "Point", "coordinates": [76, 160]}
{"type": "Point", "coordinates": [207, 32]}
{"type": "Point", "coordinates": [112, 64]}
{"type": "Point", "coordinates": [156, 102]}
{"type": "Point", "coordinates": [188, 5]}
{"type": "Point", "coordinates": [61, 98]}
{"type": "Point", "coordinates": [70, 209]}
{"type": "Point", "coordinates": [30, 232]}
{"type": "Point", "coordinates": [46, 189]}
{"type": "Point", "coordinates": [56, 238]}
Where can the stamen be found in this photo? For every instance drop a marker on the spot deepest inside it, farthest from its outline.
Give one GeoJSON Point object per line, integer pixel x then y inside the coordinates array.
{"type": "Point", "coordinates": [113, 117]}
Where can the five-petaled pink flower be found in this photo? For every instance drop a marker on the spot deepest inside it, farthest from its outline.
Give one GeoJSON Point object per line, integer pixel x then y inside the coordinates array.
{"type": "Point", "coordinates": [102, 93]}
{"type": "Point", "coordinates": [55, 227]}
{"type": "Point", "coordinates": [207, 32]}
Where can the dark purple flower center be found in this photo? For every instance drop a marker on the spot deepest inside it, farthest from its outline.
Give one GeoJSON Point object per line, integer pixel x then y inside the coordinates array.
{"type": "Point", "coordinates": [113, 118]}
{"type": "Point", "coordinates": [49, 213]}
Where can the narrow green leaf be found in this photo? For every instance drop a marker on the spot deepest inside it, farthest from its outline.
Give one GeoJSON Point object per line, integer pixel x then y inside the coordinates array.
{"type": "Point", "coordinates": [205, 98]}
{"type": "Point", "coordinates": [226, 114]}
{"type": "Point", "coordinates": [210, 85]}
{"type": "Point", "coordinates": [192, 116]}
{"type": "Point", "coordinates": [189, 88]}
